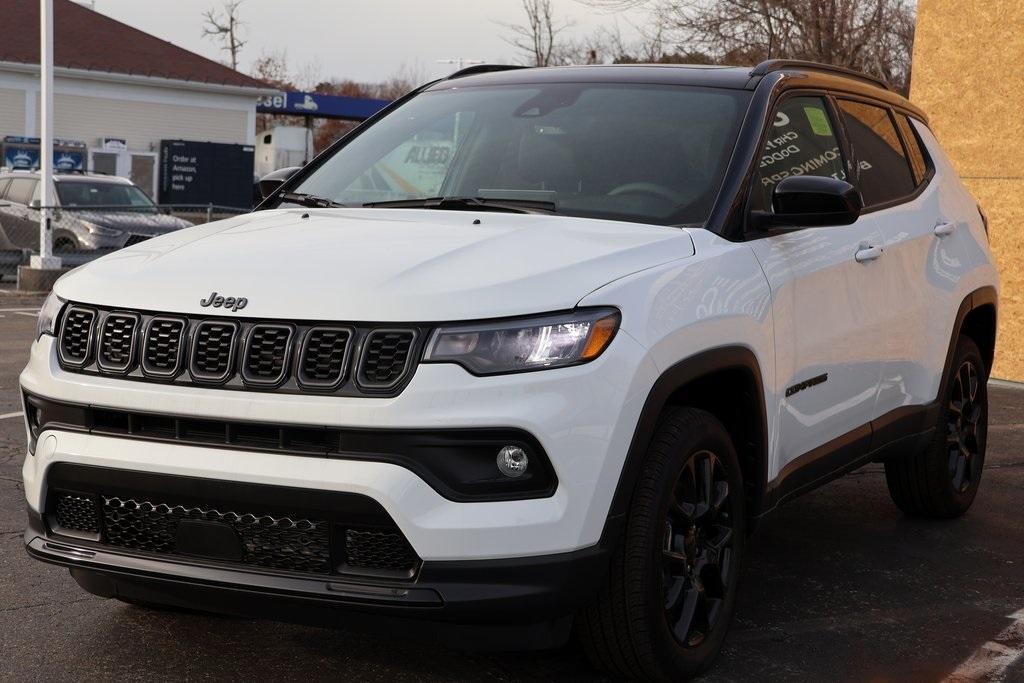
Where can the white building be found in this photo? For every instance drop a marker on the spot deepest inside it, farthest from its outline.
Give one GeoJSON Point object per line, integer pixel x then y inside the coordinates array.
{"type": "Point", "coordinates": [118, 92]}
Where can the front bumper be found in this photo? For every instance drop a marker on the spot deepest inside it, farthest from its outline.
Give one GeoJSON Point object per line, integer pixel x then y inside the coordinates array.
{"type": "Point", "coordinates": [472, 603]}
{"type": "Point", "coordinates": [583, 417]}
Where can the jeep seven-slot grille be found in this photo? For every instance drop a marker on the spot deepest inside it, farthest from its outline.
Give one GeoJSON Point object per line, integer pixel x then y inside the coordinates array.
{"type": "Point", "coordinates": [117, 341]}
{"type": "Point", "coordinates": [76, 336]}
{"type": "Point", "coordinates": [386, 357]}
{"type": "Point", "coordinates": [347, 359]}
{"type": "Point", "coordinates": [296, 542]}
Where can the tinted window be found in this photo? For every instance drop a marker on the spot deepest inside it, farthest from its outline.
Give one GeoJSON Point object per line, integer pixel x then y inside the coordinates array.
{"type": "Point", "coordinates": [21, 190]}
{"type": "Point", "coordinates": [645, 153]}
{"type": "Point", "coordinates": [913, 143]}
{"type": "Point", "coordinates": [99, 193]}
{"type": "Point", "coordinates": [883, 171]}
{"type": "Point", "coordinates": [802, 141]}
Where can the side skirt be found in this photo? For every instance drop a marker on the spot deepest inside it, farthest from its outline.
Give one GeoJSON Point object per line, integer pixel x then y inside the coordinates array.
{"type": "Point", "coordinates": [892, 435]}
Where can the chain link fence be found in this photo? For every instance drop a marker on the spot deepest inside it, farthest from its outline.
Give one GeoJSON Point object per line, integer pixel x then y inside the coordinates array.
{"type": "Point", "coordinates": [84, 233]}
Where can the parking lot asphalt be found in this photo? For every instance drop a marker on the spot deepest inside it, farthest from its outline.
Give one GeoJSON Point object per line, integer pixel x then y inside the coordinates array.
{"type": "Point", "coordinates": [838, 586]}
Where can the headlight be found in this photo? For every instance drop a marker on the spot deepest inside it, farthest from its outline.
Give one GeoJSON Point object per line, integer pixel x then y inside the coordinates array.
{"type": "Point", "coordinates": [528, 344]}
{"type": "Point", "coordinates": [102, 231]}
{"type": "Point", "coordinates": [46, 323]}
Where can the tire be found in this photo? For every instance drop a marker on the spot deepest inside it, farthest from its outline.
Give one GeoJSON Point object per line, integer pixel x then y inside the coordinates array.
{"type": "Point", "coordinates": [628, 630]}
{"type": "Point", "coordinates": [942, 480]}
{"type": "Point", "coordinates": [65, 245]}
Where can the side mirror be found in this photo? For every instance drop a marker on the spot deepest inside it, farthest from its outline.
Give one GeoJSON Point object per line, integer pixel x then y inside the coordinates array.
{"type": "Point", "coordinates": [805, 201]}
{"type": "Point", "coordinates": [269, 183]}
{"type": "Point", "coordinates": [35, 204]}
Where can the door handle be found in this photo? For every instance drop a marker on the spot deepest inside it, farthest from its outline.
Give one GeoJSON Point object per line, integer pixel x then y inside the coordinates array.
{"type": "Point", "coordinates": [865, 254]}
{"type": "Point", "coordinates": [944, 229]}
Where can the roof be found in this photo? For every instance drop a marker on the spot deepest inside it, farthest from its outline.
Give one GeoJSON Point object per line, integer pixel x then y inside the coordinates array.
{"type": "Point", "coordinates": [667, 74]}
{"type": "Point", "coordinates": [85, 39]}
{"type": "Point", "coordinates": [66, 177]}
{"type": "Point", "coordinates": [782, 72]}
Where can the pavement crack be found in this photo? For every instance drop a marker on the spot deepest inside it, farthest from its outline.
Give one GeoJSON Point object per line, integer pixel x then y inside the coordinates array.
{"type": "Point", "coordinates": [20, 608]}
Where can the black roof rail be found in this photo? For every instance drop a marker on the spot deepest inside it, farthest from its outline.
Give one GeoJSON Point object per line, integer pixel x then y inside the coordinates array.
{"type": "Point", "coordinates": [484, 69]}
{"type": "Point", "coordinates": [769, 65]}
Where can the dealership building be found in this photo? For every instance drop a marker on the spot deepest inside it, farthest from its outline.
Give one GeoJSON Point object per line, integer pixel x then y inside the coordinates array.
{"type": "Point", "coordinates": [122, 99]}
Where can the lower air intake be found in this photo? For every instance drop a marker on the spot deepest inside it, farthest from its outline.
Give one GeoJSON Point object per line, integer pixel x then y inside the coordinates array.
{"type": "Point", "coordinates": [277, 542]}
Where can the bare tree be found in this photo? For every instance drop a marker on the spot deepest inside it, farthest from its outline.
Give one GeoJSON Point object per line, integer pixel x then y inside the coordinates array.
{"type": "Point", "coordinates": [875, 36]}
{"type": "Point", "coordinates": [226, 27]}
{"type": "Point", "coordinates": [540, 38]}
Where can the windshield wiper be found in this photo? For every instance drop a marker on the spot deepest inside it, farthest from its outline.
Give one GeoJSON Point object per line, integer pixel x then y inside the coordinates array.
{"type": "Point", "coordinates": [469, 204]}
{"type": "Point", "coordinates": [310, 200]}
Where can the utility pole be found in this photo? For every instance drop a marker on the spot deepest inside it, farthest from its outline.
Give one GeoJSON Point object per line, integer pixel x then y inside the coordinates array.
{"type": "Point", "coordinates": [462, 62]}
{"type": "Point", "coordinates": [46, 260]}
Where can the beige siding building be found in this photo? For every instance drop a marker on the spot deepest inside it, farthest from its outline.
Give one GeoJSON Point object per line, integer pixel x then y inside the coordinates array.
{"type": "Point", "coordinates": [967, 76]}
{"type": "Point", "coordinates": [118, 91]}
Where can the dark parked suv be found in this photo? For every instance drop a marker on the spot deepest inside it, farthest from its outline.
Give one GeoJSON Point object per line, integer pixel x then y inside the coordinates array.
{"type": "Point", "coordinates": [96, 212]}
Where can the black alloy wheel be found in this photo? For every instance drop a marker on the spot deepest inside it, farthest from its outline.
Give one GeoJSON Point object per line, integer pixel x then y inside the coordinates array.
{"type": "Point", "coordinates": [697, 550]}
{"type": "Point", "coordinates": [964, 414]}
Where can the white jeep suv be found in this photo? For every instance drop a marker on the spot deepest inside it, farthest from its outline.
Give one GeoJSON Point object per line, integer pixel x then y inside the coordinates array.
{"type": "Point", "coordinates": [529, 352]}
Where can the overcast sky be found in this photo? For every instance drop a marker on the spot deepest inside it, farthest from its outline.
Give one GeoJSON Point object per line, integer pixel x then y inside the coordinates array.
{"type": "Point", "coordinates": [360, 40]}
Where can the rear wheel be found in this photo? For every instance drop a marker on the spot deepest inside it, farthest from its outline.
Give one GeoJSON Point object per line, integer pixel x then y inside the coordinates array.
{"type": "Point", "coordinates": [672, 585]}
{"type": "Point", "coordinates": [64, 245]}
{"type": "Point", "coordinates": [942, 480]}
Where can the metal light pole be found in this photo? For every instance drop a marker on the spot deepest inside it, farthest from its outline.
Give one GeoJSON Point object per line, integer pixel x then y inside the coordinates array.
{"type": "Point", "coordinates": [46, 260]}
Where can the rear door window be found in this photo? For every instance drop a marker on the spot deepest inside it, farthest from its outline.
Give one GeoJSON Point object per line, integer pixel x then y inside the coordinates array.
{"type": "Point", "coordinates": [883, 172]}
{"type": "Point", "coordinates": [801, 141]}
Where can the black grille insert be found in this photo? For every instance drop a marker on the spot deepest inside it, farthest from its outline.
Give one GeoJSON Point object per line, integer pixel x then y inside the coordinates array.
{"type": "Point", "coordinates": [267, 352]}
{"type": "Point", "coordinates": [117, 342]}
{"type": "Point", "coordinates": [213, 350]}
{"type": "Point", "coordinates": [379, 550]}
{"type": "Point", "coordinates": [386, 356]}
{"type": "Point", "coordinates": [164, 347]}
{"type": "Point", "coordinates": [306, 531]}
{"type": "Point", "coordinates": [135, 239]}
{"type": "Point", "coordinates": [297, 544]}
{"type": "Point", "coordinates": [76, 336]}
{"type": "Point", "coordinates": [324, 357]}
{"type": "Point", "coordinates": [77, 512]}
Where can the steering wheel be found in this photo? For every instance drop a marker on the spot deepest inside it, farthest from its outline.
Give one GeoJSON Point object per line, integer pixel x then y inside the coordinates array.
{"type": "Point", "coordinates": [660, 191]}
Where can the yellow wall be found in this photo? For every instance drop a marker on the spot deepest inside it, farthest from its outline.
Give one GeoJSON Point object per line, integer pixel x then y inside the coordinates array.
{"type": "Point", "coordinates": [968, 76]}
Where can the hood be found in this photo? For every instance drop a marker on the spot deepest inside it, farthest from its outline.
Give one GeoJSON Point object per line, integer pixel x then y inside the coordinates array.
{"type": "Point", "coordinates": [138, 222]}
{"type": "Point", "coordinates": [377, 265]}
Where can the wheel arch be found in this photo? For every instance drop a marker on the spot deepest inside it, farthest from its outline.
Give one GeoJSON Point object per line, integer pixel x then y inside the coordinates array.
{"type": "Point", "coordinates": [976, 319]}
{"type": "Point", "coordinates": [725, 381]}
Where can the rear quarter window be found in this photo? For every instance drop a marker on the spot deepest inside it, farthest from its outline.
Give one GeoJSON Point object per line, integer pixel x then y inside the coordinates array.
{"type": "Point", "coordinates": [915, 150]}
{"type": "Point", "coordinates": [883, 171]}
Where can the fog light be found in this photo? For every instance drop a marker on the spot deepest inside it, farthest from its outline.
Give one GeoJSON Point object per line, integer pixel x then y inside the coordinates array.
{"type": "Point", "coordinates": [512, 461]}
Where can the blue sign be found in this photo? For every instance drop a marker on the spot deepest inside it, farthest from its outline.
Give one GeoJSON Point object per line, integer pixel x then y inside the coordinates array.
{"type": "Point", "coordinates": [320, 106]}
{"type": "Point", "coordinates": [26, 157]}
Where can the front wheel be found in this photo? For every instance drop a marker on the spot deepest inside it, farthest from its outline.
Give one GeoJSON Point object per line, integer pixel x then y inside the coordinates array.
{"type": "Point", "coordinates": [942, 480]}
{"type": "Point", "coordinates": [673, 581]}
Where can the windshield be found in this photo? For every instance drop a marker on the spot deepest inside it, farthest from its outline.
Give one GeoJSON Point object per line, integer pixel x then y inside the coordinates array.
{"type": "Point", "coordinates": [645, 153]}
{"type": "Point", "coordinates": [103, 194]}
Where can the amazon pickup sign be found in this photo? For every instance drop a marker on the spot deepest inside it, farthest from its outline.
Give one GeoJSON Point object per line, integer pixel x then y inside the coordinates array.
{"type": "Point", "coordinates": [320, 106]}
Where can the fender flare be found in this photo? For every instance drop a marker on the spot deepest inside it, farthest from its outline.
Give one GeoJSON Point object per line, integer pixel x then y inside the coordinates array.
{"type": "Point", "coordinates": [672, 379]}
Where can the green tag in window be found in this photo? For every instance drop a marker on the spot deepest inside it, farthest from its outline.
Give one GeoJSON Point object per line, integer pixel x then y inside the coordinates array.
{"type": "Point", "coordinates": [818, 120]}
